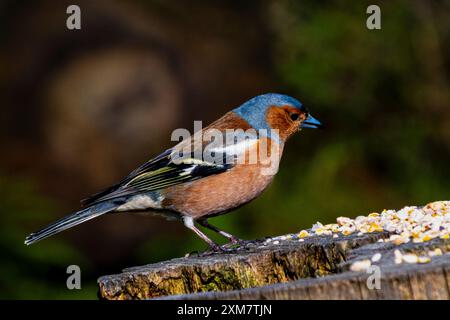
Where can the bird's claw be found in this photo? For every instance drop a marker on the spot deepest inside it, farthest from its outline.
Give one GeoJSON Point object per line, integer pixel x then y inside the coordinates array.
{"type": "Point", "coordinates": [224, 249]}
{"type": "Point", "coordinates": [233, 246]}
{"type": "Point", "coordinates": [216, 249]}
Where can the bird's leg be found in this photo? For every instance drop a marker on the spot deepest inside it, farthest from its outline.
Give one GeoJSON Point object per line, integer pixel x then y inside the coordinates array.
{"type": "Point", "coordinates": [189, 223]}
{"type": "Point", "coordinates": [230, 237]}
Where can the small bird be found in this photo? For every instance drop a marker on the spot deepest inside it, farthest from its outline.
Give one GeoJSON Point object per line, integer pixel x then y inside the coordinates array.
{"type": "Point", "coordinates": [181, 183]}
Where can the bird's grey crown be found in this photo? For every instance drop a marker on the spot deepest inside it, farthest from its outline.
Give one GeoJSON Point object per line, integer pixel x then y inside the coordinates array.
{"type": "Point", "coordinates": [254, 110]}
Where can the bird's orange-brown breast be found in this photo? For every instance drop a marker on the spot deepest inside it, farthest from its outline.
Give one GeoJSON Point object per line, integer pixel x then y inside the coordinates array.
{"type": "Point", "coordinates": [219, 193]}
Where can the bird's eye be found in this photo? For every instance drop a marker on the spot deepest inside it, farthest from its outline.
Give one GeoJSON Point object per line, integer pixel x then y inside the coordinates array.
{"type": "Point", "coordinates": [294, 116]}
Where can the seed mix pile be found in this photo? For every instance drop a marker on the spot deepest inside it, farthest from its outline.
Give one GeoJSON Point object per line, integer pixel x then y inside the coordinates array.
{"type": "Point", "coordinates": [416, 224]}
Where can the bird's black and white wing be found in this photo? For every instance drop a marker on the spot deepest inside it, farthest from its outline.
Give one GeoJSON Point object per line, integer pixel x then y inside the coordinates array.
{"type": "Point", "coordinates": [178, 165]}
{"type": "Point", "coordinates": [157, 174]}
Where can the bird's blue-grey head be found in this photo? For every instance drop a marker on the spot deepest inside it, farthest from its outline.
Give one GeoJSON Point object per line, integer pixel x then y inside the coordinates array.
{"type": "Point", "coordinates": [255, 111]}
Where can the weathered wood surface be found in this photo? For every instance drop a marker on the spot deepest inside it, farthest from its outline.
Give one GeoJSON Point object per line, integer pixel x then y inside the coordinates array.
{"type": "Point", "coordinates": [317, 268]}
{"type": "Point", "coordinates": [405, 281]}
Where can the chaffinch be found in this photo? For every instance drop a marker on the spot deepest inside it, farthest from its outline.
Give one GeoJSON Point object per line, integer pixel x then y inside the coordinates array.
{"type": "Point", "coordinates": [200, 178]}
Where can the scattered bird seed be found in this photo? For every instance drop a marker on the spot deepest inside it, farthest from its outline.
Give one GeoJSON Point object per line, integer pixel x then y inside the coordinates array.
{"type": "Point", "coordinates": [408, 224]}
{"type": "Point", "coordinates": [410, 258]}
{"type": "Point", "coordinates": [303, 234]}
{"type": "Point", "coordinates": [376, 257]}
{"type": "Point", "coordinates": [398, 257]}
{"type": "Point", "coordinates": [435, 252]}
{"type": "Point", "coordinates": [424, 259]}
{"type": "Point", "coordinates": [361, 265]}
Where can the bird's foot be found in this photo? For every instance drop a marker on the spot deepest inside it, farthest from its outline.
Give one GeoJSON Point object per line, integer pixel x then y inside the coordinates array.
{"type": "Point", "coordinates": [225, 248]}
{"type": "Point", "coordinates": [235, 244]}
{"type": "Point", "coordinates": [235, 240]}
{"type": "Point", "coordinates": [216, 249]}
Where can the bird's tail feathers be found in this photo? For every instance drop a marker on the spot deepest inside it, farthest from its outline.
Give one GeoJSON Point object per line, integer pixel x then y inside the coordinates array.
{"type": "Point", "coordinates": [71, 221]}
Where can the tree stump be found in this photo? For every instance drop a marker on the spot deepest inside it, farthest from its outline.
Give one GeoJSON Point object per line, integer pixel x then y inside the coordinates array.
{"type": "Point", "coordinates": [356, 266]}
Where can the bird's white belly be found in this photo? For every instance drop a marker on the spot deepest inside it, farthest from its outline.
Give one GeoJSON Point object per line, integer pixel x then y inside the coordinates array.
{"type": "Point", "coordinates": [141, 202]}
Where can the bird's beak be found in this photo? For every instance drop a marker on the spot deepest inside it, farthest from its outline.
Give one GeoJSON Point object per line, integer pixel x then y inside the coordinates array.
{"type": "Point", "coordinates": [311, 122]}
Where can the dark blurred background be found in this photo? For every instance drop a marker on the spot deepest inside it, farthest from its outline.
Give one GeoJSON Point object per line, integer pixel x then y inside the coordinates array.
{"type": "Point", "coordinates": [81, 109]}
